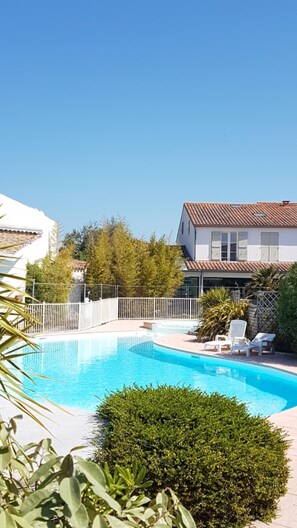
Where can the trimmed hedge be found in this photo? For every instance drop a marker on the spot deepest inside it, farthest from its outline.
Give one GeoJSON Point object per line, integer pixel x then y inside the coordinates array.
{"type": "Point", "coordinates": [227, 467]}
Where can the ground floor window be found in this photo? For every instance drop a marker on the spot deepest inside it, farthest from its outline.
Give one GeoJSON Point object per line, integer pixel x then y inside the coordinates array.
{"type": "Point", "coordinates": [190, 288]}
{"type": "Point", "coordinates": [223, 282]}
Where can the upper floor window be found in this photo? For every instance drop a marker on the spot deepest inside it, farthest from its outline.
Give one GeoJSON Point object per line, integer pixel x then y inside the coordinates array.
{"type": "Point", "coordinates": [182, 228]}
{"type": "Point", "coordinates": [189, 227]}
{"type": "Point", "coordinates": [269, 246]}
{"type": "Point", "coordinates": [229, 246]}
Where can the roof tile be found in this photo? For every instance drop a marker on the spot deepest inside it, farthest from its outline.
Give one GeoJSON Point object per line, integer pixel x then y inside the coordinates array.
{"type": "Point", "coordinates": [17, 238]}
{"type": "Point", "coordinates": [234, 267]}
{"type": "Point", "coordinates": [259, 214]}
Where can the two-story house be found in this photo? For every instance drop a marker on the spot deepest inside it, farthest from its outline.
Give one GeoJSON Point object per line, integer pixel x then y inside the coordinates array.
{"type": "Point", "coordinates": [224, 243]}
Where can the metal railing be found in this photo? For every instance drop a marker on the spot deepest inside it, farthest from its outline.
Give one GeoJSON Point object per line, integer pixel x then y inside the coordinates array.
{"type": "Point", "coordinates": [158, 308]}
{"type": "Point", "coordinates": [60, 317]}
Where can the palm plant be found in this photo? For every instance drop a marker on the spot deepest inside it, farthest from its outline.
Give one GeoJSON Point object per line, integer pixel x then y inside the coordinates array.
{"type": "Point", "coordinates": [15, 321]}
{"type": "Point", "coordinates": [267, 279]}
{"type": "Point", "coordinates": [215, 296]}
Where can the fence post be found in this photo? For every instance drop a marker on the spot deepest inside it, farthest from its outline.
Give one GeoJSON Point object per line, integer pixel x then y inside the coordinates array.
{"type": "Point", "coordinates": [33, 290]}
{"type": "Point", "coordinates": [79, 315]}
{"type": "Point", "coordinates": [43, 315]}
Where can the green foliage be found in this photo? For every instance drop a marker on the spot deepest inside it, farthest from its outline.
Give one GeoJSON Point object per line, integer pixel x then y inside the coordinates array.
{"type": "Point", "coordinates": [218, 311]}
{"type": "Point", "coordinates": [264, 279]}
{"type": "Point", "coordinates": [99, 263]}
{"type": "Point", "coordinates": [215, 296]}
{"type": "Point", "coordinates": [287, 308]}
{"type": "Point", "coordinates": [124, 260]}
{"type": "Point", "coordinates": [53, 277]}
{"type": "Point", "coordinates": [139, 268]}
{"type": "Point", "coordinates": [15, 321]}
{"type": "Point", "coordinates": [81, 240]}
{"type": "Point", "coordinates": [160, 268]}
{"type": "Point", "coordinates": [227, 467]}
{"type": "Point", "coordinates": [39, 489]}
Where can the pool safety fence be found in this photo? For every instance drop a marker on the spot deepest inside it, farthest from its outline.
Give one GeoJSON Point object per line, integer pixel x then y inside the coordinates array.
{"type": "Point", "coordinates": [58, 317]}
{"type": "Point", "coordinates": [158, 308]}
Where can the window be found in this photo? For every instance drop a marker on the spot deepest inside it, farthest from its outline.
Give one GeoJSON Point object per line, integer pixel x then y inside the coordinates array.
{"type": "Point", "coordinates": [229, 246]}
{"type": "Point", "coordinates": [189, 227]}
{"type": "Point", "coordinates": [269, 246]}
{"type": "Point", "coordinates": [182, 228]}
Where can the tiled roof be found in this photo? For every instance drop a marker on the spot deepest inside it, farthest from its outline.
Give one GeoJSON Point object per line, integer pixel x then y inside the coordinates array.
{"type": "Point", "coordinates": [234, 267]}
{"type": "Point", "coordinates": [16, 237]}
{"type": "Point", "coordinates": [78, 265]}
{"type": "Point", "coordinates": [259, 214]}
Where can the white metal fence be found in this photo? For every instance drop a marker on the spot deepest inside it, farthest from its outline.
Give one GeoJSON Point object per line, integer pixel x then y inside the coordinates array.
{"type": "Point", "coordinates": [72, 316]}
{"type": "Point", "coordinates": [158, 308]}
{"type": "Point", "coordinates": [80, 316]}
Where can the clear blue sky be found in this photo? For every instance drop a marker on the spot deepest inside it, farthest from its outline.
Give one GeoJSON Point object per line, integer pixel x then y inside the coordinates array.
{"type": "Point", "coordinates": [132, 107]}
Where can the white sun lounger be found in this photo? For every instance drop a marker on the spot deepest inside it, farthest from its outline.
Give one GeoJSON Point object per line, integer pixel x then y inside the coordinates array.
{"type": "Point", "coordinates": [237, 329]}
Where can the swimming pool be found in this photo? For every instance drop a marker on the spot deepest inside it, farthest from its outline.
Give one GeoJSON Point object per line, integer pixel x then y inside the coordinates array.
{"type": "Point", "coordinates": [89, 367]}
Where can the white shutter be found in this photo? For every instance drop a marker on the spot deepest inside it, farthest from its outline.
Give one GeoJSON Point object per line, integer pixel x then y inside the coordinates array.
{"type": "Point", "coordinates": [265, 240]}
{"type": "Point", "coordinates": [242, 245]}
{"type": "Point", "coordinates": [215, 245]}
{"type": "Point", "coordinates": [274, 245]}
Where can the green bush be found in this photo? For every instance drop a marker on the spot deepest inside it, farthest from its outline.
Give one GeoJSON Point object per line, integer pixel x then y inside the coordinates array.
{"type": "Point", "coordinates": [216, 319]}
{"type": "Point", "coordinates": [39, 489]}
{"type": "Point", "coordinates": [227, 467]}
{"type": "Point", "coordinates": [214, 296]}
{"type": "Point", "coordinates": [287, 308]}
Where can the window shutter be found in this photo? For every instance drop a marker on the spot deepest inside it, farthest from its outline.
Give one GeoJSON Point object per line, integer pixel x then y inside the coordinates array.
{"type": "Point", "coordinates": [215, 245]}
{"type": "Point", "coordinates": [274, 245]}
{"type": "Point", "coordinates": [265, 239]}
{"type": "Point", "coordinates": [242, 245]}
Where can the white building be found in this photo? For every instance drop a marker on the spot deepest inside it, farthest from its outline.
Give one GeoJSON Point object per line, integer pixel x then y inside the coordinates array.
{"type": "Point", "coordinates": [32, 235]}
{"type": "Point", "coordinates": [225, 243]}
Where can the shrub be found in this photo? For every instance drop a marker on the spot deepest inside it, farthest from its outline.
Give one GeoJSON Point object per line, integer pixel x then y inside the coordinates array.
{"type": "Point", "coordinates": [287, 308]}
{"type": "Point", "coordinates": [227, 467]}
{"type": "Point", "coordinates": [268, 279]}
{"type": "Point", "coordinates": [215, 296]}
{"type": "Point", "coordinates": [40, 489]}
{"type": "Point", "coordinates": [217, 318]}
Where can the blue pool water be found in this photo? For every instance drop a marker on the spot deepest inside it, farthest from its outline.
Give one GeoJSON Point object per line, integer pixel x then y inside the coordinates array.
{"type": "Point", "coordinates": [90, 367]}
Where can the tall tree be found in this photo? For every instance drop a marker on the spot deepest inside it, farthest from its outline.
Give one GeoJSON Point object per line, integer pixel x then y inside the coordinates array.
{"type": "Point", "coordinates": [147, 269]}
{"type": "Point", "coordinates": [124, 260]}
{"type": "Point", "coordinates": [168, 263]}
{"type": "Point", "coordinates": [52, 277]}
{"type": "Point", "coordinates": [82, 240]}
{"type": "Point", "coordinates": [99, 264]}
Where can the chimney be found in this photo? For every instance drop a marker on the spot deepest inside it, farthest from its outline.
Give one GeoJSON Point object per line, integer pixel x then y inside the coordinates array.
{"type": "Point", "coordinates": [285, 202]}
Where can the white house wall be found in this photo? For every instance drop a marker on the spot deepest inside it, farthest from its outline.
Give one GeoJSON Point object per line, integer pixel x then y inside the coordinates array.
{"type": "Point", "coordinates": [16, 215]}
{"type": "Point", "coordinates": [287, 243]}
{"type": "Point", "coordinates": [186, 238]}
{"type": "Point", "coordinates": [203, 238]}
{"type": "Point", "coordinates": [19, 216]}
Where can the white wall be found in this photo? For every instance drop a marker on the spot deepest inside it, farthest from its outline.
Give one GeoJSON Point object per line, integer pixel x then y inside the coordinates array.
{"type": "Point", "coordinates": [186, 239]}
{"type": "Point", "coordinates": [287, 243]}
{"type": "Point", "coordinates": [16, 215]}
{"type": "Point", "coordinates": [203, 241]}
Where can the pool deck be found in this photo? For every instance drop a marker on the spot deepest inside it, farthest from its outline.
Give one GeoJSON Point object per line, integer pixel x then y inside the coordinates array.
{"type": "Point", "coordinates": [74, 427]}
